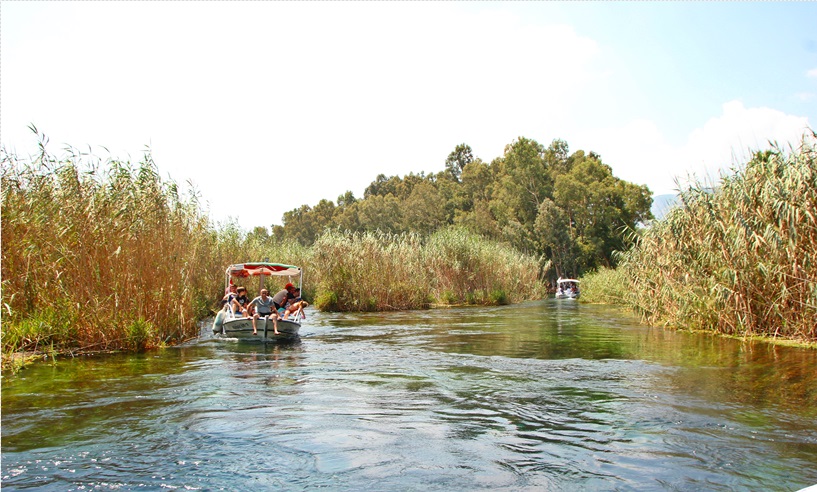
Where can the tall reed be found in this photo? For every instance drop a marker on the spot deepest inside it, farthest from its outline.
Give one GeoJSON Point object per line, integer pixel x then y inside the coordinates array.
{"type": "Point", "coordinates": [466, 268]}
{"type": "Point", "coordinates": [741, 259]}
{"type": "Point", "coordinates": [379, 271]}
{"type": "Point", "coordinates": [99, 255]}
{"type": "Point", "coordinates": [605, 286]}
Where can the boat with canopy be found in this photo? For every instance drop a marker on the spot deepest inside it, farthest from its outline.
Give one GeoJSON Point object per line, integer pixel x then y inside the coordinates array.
{"type": "Point", "coordinates": [231, 324]}
{"type": "Point", "coordinates": [567, 288]}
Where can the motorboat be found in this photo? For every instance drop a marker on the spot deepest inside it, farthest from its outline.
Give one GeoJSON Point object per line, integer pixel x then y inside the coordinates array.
{"type": "Point", "coordinates": [567, 288]}
{"type": "Point", "coordinates": [233, 325]}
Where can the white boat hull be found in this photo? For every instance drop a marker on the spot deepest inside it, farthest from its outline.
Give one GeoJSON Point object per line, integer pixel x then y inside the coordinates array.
{"type": "Point", "coordinates": [241, 329]}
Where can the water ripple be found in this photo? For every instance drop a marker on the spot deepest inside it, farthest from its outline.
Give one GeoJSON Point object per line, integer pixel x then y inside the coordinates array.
{"type": "Point", "coordinates": [542, 396]}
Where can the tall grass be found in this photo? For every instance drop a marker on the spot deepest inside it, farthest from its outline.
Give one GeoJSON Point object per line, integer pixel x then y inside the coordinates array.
{"type": "Point", "coordinates": [741, 259]}
{"type": "Point", "coordinates": [466, 268]}
{"type": "Point", "coordinates": [99, 255]}
{"type": "Point", "coordinates": [606, 286]}
{"type": "Point", "coordinates": [379, 271]}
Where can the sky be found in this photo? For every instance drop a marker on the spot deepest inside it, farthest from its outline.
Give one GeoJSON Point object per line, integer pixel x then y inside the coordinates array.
{"type": "Point", "coordinates": [263, 107]}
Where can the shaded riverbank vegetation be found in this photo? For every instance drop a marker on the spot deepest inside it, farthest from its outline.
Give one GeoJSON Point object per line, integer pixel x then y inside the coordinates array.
{"type": "Point", "coordinates": [739, 258]}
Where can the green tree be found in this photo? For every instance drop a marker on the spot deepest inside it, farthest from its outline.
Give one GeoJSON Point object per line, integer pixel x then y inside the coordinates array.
{"type": "Point", "coordinates": [600, 210]}
{"type": "Point", "coordinates": [382, 186]}
{"type": "Point", "coordinates": [460, 157]}
{"type": "Point", "coordinates": [323, 213]}
{"type": "Point", "coordinates": [346, 217]}
{"type": "Point", "coordinates": [299, 225]}
{"type": "Point", "coordinates": [424, 210]}
{"type": "Point", "coordinates": [553, 230]}
{"type": "Point", "coordinates": [522, 183]}
{"type": "Point", "coordinates": [305, 223]}
{"type": "Point", "coordinates": [346, 199]}
{"type": "Point", "coordinates": [380, 213]}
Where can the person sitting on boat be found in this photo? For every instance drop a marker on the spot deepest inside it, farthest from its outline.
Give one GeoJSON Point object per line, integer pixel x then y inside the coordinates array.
{"type": "Point", "coordinates": [231, 294]}
{"type": "Point", "coordinates": [263, 306]}
{"type": "Point", "coordinates": [295, 305]}
{"type": "Point", "coordinates": [282, 297]}
{"type": "Point", "coordinates": [240, 302]}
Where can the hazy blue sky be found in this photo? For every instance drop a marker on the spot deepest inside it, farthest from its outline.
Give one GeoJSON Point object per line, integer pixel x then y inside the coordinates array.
{"type": "Point", "coordinates": [293, 102]}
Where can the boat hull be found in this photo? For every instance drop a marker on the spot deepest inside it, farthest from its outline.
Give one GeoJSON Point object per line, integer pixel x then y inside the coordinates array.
{"type": "Point", "coordinates": [241, 329]}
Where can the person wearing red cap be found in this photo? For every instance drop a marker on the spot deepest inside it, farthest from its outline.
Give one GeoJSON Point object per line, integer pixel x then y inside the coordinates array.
{"type": "Point", "coordinates": [279, 300]}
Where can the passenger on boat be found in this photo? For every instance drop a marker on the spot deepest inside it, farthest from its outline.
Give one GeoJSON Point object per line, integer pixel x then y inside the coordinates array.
{"type": "Point", "coordinates": [296, 305]}
{"type": "Point", "coordinates": [263, 306]}
{"type": "Point", "coordinates": [231, 294]}
{"type": "Point", "coordinates": [282, 297]}
{"type": "Point", "coordinates": [240, 302]}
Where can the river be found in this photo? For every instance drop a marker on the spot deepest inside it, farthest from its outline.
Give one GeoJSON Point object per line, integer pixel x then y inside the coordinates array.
{"type": "Point", "coordinates": [550, 395]}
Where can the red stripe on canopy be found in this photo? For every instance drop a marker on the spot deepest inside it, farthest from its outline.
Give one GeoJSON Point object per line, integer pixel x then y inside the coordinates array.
{"type": "Point", "coordinates": [256, 269]}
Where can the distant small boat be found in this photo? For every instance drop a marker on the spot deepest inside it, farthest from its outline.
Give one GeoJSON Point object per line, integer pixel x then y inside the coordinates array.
{"type": "Point", "coordinates": [228, 324]}
{"type": "Point", "coordinates": [567, 288]}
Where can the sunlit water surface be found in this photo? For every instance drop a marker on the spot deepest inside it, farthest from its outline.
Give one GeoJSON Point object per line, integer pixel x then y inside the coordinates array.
{"type": "Point", "coordinates": [551, 395]}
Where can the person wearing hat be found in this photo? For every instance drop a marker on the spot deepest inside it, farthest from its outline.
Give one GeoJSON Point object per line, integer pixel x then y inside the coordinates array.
{"type": "Point", "coordinates": [296, 305]}
{"type": "Point", "coordinates": [280, 299]}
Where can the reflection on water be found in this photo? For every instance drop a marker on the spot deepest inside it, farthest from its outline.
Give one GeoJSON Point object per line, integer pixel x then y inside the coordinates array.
{"type": "Point", "coordinates": [553, 395]}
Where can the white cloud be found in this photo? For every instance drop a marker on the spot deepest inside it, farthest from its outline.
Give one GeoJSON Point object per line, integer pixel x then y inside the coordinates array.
{"type": "Point", "coordinates": [639, 152]}
{"type": "Point", "coordinates": [307, 101]}
{"type": "Point", "coordinates": [812, 73]}
{"type": "Point", "coordinates": [728, 140]}
{"type": "Point", "coordinates": [284, 104]}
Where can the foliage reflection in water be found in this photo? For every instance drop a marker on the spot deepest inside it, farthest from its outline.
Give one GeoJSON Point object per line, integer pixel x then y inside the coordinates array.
{"type": "Point", "coordinates": [551, 394]}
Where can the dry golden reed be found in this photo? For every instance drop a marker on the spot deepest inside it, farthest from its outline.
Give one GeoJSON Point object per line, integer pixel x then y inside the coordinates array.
{"type": "Point", "coordinates": [379, 271]}
{"type": "Point", "coordinates": [99, 255]}
{"type": "Point", "coordinates": [740, 258]}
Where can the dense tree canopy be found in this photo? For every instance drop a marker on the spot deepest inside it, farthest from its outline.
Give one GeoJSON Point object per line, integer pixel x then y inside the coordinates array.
{"type": "Point", "coordinates": [567, 208]}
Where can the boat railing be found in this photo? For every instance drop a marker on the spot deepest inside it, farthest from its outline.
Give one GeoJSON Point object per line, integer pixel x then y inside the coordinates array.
{"type": "Point", "coordinates": [230, 309]}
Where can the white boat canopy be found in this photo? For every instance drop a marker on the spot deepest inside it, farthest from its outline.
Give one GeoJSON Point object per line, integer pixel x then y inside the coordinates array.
{"type": "Point", "coordinates": [567, 280]}
{"type": "Point", "coordinates": [267, 269]}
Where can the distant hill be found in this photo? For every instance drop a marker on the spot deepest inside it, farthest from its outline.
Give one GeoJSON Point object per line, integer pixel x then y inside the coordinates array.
{"type": "Point", "coordinates": [661, 204]}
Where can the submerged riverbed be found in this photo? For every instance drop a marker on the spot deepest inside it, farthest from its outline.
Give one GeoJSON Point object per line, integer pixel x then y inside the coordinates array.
{"type": "Point", "coordinates": [550, 395]}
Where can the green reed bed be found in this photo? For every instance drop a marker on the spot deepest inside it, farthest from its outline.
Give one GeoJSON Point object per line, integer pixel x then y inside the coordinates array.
{"type": "Point", "coordinates": [605, 286]}
{"type": "Point", "coordinates": [379, 271]}
{"type": "Point", "coordinates": [739, 260]}
{"type": "Point", "coordinates": [99, 255]}
{"type": "Point", "coordinates": [467, 269]}
{"type": "Point", "coordinates": [368, 271]}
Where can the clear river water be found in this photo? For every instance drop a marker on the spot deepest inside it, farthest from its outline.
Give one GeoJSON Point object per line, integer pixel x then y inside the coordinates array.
{"type": "Point", "coordinates": [549, 395]}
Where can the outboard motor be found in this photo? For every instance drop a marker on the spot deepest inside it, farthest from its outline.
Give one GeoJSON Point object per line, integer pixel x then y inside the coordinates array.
{"type": "Point", "coordinates": [218, 322]}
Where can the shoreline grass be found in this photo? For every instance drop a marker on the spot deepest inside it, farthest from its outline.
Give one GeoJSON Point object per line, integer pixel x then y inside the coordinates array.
{"type": "Point", "coordinates": [386, 272]}
{"type": "Point", "coordinates": [99, 256]}
{"type": "Point", "coordinates": [739, 259]}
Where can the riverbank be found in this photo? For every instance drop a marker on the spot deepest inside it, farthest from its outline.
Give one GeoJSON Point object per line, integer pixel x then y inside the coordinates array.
{"type": "Point", "coordinates": [738, 258]}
